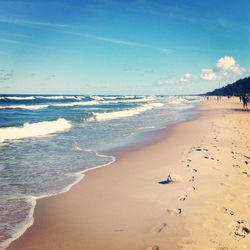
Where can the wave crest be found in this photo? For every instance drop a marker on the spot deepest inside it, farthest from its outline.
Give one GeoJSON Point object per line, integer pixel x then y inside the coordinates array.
{"type": "Point", "coordinates": [19, 97]}
{"type": "Point", "coordinates": [125, 113]}
{"type": "Point", "coordinates": [71, 104]}
{"type": "Point", "coordinates": [34, 129]}
{"type": "Point", "coordinates": [31, 107]}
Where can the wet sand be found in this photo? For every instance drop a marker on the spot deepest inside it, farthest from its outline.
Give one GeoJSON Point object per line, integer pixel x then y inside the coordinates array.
{"type": "Point", "coordinates": [126, 205]}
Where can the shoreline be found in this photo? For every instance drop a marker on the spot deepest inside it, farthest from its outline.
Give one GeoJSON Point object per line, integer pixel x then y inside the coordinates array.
{"type": "Point", "coordinates": [43, 229]}
{"type": "Point", "coordinates": [34, 200]}
{"type": "Point", "coordinates": [113, 154]}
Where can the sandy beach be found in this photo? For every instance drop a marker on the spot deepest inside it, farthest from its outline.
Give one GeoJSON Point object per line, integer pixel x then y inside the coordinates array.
{"type": "Point", "coordinates": [125, 205]}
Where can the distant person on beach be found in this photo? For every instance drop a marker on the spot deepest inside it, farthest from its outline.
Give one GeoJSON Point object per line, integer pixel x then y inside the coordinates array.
{"type": "Point", "coordinates": [245, 101]}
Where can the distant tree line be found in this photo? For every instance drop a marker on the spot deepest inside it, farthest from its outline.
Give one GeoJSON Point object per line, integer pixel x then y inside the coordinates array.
{"type": "Point", "coordinates": [237, 88]}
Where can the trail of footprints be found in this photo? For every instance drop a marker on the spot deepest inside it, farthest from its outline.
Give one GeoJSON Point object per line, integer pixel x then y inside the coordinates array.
{"type": "Point", "coordinates": [178, 211]}
{"type": "Point", "coordinates": [240, 228]}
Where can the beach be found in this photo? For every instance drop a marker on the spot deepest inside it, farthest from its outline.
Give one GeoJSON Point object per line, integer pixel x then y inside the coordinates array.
{"type": "Point", "coordinates": [128, 204]}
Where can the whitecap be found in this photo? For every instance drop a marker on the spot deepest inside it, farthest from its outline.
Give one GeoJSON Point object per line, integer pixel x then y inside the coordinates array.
{"type": "Point", "coordinates": [125, 113]}
{"type": "Point", "coordinates": [34, 129]}
{"type": "Point", "coordinates": [20, 97]}
{"type": "Point", "coordinates": [51, 97]}
{"type": "Point", "coordinates": [31, 107]}
{"type": "Point", "coordinates": [71, 104]}
{"type": "Point", "coordinates": [96, 97]}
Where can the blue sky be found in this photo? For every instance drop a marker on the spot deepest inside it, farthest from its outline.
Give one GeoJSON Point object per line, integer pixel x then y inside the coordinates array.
{"type": "Point", "coordinates": [122, 47]}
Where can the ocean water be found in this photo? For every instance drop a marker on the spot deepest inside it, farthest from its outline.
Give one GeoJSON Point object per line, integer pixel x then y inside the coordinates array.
{"type": "Point", "coordinates": [47, 142]}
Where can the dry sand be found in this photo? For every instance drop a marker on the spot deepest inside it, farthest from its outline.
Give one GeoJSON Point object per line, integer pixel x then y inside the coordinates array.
{"type": "Point", "coordinates": [123, 206]}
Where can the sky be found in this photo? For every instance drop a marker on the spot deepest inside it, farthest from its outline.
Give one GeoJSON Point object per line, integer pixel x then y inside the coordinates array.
{"type": "Point", "coordinates": [122, 47]}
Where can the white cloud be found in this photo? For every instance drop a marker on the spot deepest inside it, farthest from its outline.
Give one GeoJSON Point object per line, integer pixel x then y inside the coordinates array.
{"type": "Point", "coordinates": [186, 78]}
{"type": "Point", "coordinates": [208, 74]}
{"type": "Point", "coordinates": [165, 82]}
{"type": "Point", "coordinates": [228, 64]}
{"type": "Point", "coordinates": [225, 68]}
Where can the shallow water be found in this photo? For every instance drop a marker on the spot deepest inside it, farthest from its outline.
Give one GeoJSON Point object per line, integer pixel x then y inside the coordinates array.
{"type": "Point", "coordinates": [47, 141]}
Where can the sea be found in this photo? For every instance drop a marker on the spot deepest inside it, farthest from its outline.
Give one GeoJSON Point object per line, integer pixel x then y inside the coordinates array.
{"type": "Point", "coordinates": [47, 142]}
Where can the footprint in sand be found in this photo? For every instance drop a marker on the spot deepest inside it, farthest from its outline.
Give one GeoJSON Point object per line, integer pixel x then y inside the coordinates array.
{"type": "Point", "coordinates": [236, 166]}
{"type": "Point", "coordinates": [160, 228]}
{"type": "Point", "coordinates": [198, 149]}
{"type": "Point", "coordinates": [226, 211]}
{"type": "Point", "coordinates": [192, 179]}
{"type": "Point", "coordinates": [245, 173]}
{"type": "Point", "coordinates": [174, 211]}
{"type": "Point", "coordinates": [153, 248]}
{"type": "Point", "coordinates": [246, 157]}
{"type": "Point", "coordinates": [183, 197]}
{"type": "Point", "coordinates": [242, 229]}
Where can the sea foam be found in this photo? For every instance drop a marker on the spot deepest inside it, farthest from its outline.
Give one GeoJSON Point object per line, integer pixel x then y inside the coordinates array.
{"type": "Point", "coordinates": [125, 113]}
{"type": "Point", "coordinates": [78, 98]}
{"type": "Point", "coordinates": [42, 106]}
{"type": "Point", "coordinates": [31, 107]}
{"type": "Point", "coordinates": [96, 97]}
{"type": "Point", "coordinates": [113, 101]}
{"type": "Point", "coordinates": [34, 129]}
{"type": "Point", "coordinates": [71, 104]}
{"type": "Point", "coordinates": [57, 97]}
{"type": "Point", "coordinates": [20, 97]}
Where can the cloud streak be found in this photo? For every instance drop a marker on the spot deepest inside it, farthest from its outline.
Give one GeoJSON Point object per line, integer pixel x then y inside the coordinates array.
{"type": "Point", "coordinates": [33, 23]}
{"type": "Point", "coordinates": [119, 42]}
{"type": "Point", "coordinates": [68, 29]}
{"type": "Point", "coordinates": [13, 41]}
{"type": "Point", "coordinates": [17, 35]}
{"type": "Point", "coordinates": [110, 40]}
{"type": "Point", "coordinates": [23, 43]}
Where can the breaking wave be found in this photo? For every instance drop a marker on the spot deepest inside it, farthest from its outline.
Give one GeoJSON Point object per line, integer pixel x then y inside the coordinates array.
{"type": "Point", "coordinates": [34, 129]}
{"type": "Point", "coordinates": [75, 104]}
{"type": "Point", "coordinates": [78, 98]}
{"type": "Point", "coordinates": [31, 107]}
{"type": "Point", "coordinates": [19, 97]}
{"type": "Point", "coordinates": [125, 113]}
{"type": "Point", "coordinates": [42, 106]}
